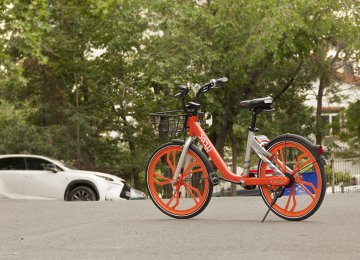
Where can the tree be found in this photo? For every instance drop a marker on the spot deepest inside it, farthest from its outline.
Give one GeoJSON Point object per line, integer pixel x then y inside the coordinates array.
{"type": "Point", "coordinates": [22, 25]}
{"type": "Point", "coordinates": [338, 30]}
{"type": "Point", "coordinates": [68, 86]}
{"type": "Point", "coordinates": [351, 133]}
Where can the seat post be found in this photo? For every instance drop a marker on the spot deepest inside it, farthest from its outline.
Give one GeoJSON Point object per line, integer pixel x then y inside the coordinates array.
{"type": "Point", "coordinates": [252, 126]}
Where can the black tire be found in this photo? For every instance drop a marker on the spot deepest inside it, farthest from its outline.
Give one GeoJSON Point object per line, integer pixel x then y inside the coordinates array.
{"type": "Point", "coordinates": [205, 181]}
{"type": "Point", "coordinates": [306, 195]}
{"type": "Point", "coordinates": [82, 193]}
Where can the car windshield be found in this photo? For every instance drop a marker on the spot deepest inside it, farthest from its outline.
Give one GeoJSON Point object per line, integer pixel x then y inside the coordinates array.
{"type": "Point", "coordinates": [63, 164]}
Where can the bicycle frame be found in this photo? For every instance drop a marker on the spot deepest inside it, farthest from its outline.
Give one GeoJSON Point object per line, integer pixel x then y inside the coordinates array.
{"type": "Point", "coordinates": [195, 131]}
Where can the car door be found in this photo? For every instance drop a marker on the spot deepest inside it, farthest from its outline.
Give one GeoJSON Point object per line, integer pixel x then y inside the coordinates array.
{"type": "Point", "coordinates": [42, 183]}
{"type": "Point", "coordinates": [12, 177]}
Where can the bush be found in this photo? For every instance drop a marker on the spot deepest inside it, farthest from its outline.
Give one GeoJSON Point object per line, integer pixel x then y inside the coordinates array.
{"type": "Point", "coordinates": [340, 176]}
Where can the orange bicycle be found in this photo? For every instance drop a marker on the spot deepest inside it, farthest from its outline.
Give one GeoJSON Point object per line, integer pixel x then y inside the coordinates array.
{"type": "Point", "coordinates": [180, 178]}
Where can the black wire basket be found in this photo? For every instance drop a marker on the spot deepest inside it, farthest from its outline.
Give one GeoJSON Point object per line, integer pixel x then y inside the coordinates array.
{"type": "Point", "coordinates": [169, 123]}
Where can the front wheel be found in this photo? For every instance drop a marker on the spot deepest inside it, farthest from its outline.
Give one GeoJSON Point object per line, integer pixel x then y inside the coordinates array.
{"type": "Point", "coordinates": [192, 192]}
{"type": "Point", "coordinates": [297, 158]}
{"type": "Point", "coordinates": [82, 193]}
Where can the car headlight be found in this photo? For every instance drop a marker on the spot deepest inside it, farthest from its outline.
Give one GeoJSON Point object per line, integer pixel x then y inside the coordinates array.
{"type": "Point", "coordinates": [105, 178]}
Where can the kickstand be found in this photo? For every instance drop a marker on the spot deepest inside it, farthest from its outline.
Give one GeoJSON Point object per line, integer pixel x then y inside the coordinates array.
{"type": "Point", "coordinates": [278, 193]}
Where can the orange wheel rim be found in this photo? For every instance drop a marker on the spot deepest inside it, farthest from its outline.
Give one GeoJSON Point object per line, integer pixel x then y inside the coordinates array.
{"type": "Point", "coordinates": [303, 196]}
{"type": "Point", "coordinates": [189, 193]}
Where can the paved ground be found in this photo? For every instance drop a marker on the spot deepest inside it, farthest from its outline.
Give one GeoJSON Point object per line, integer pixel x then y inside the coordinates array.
{"type": "Point", "coordinates": [229, 228]}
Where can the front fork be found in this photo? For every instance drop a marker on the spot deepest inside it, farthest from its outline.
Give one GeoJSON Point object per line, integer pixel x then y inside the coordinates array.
{"type": "Point", "coordinates": [182, 160]}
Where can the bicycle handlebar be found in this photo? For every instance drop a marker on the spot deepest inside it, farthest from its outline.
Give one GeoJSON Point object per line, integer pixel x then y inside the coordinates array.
{"type": "Point", "coordinates": [211, 84]}
{"type": "Point", "coordinates": [184, 90]}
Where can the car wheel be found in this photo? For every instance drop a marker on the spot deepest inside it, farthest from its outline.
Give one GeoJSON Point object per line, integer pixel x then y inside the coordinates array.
{"type": "Point", "coordinates": [82, 193]}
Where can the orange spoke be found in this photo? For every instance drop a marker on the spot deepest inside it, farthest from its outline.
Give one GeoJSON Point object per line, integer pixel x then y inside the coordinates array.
{"type": "Point", "coordinates": [192, 171]}
{"type": "Point", "coordinates": [305, 164]}
{"type": "Point", "coordinates": [312, 163]}
{"type": "Point", "coordinates": [172, 167]}
{"type": "Point", "coordinates": [171, 199]}
{"type": "Point", "coordinates": [306, 189]}
{"type": "Point", "coordinates": [297, 167]}
{"type": "Point", "coordinates": [291, 195]}
{"type": "Point", "coordinates": [161, 176]}
{"type": "Point", "coordinates": [309, 184]}
{"type": "Point", "coordinates": [176, 196]}
{"type": "Point", "coordinates": [174, 160]}
{"type": "Point", "coordinates": [294, 199]}
{"type": "Point", "coordinates": [280, 164]}
{"type": "Point", "coordinates": [161, 183]}
{"type": "Point", "coordinates": [192, 195]}
{"type": "Point", "coordinates": [282, 160]}
{"type": "Point", "coordinates": [188, 168]}
{"type": "Point", "coordinates": [288, 201]}
{"type": "Point", "coordinates": [190, 189]}
{"type": "Point", "coordinates": [176, 202]}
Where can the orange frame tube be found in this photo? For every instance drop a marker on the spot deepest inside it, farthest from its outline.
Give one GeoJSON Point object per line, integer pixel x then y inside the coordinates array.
{"type": "Point", "coordinates": [195, 130]}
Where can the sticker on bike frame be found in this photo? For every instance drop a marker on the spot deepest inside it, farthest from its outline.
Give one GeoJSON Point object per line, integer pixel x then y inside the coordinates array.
{"type": "Point", "coordinates": [205, 142]}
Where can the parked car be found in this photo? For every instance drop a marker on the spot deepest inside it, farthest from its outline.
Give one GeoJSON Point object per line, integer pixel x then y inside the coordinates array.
{"type": "Point", "coordinates": [24, 176]}
{"type": "Point", "coordinates": [137, 194]}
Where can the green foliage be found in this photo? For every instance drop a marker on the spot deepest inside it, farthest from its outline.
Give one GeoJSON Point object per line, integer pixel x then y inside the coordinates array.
{"type": "Point", "coordinates": [344, 177]}
{"type": "Point", "coordinates": [17, 135]}
{"type": "Point", "coordinates": [23, 24]}
{"type": "Point", "coordinates": [351, 133]}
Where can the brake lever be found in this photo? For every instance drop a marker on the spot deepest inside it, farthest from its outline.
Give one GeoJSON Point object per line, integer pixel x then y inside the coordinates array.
{"type": "Point", "coordinates": [181, 87]}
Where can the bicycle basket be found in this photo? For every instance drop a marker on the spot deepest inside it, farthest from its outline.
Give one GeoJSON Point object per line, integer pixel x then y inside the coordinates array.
{"type": "Point", "coordinates": [169, 122]}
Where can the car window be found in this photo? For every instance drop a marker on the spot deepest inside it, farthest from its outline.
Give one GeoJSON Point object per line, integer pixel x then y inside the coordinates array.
{"type": "Point", "coordinates": [12, 163]}
{"type": "Point", "coordinates": [36, 164]}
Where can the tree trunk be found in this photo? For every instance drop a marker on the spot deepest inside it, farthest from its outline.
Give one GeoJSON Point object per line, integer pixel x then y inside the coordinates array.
{"type": "Point", "coordinates": [289, 82]}
{"type": "Point", "coordinates": [234, 150]}
{"type": "Point", "coordinates": [221, 135]}
{"type": "Point", "coordinates": [324, 83]}
{"type": "Point", "coordinates": [220, 139]}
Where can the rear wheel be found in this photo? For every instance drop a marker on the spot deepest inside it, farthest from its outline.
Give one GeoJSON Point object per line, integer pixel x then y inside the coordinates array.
{"type": "Point", "coordinates": [192, 192]}
{"type": "Point", "coordinates": [296, 158]}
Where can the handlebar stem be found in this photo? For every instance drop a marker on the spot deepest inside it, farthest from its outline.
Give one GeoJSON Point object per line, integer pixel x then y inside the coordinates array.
{"type": "Point", "coordinates": [184, 103]}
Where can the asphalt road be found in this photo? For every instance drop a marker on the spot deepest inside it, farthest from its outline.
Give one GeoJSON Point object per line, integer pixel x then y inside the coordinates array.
{"type": "Point", "coordinates": [229, 228]}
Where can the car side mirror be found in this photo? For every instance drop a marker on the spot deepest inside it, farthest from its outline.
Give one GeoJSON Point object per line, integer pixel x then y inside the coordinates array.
{"type": "Point", "coordinates": [51, 167]}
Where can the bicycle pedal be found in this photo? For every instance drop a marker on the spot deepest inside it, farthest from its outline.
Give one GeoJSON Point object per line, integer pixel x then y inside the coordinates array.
{"type": "Point", "coordinates": [214, 178]}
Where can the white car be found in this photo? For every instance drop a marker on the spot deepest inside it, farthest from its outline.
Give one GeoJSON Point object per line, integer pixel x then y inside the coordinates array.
{"type": "Point", "coordinates": [137, 194]}
{"type": "Point", "coordinates": [24, 176]}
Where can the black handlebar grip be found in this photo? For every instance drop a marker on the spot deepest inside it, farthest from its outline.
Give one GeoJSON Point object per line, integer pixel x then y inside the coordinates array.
{"type": "Point", "coordinates": [181, 87]}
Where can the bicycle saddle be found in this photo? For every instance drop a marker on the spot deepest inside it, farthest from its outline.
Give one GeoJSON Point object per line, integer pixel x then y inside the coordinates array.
{"type": "Point", "coordinates": [258, 104]}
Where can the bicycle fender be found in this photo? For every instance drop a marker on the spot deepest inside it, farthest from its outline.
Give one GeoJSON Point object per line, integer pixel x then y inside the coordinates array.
{"type": "Point", "coordinates": [314, 147]}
